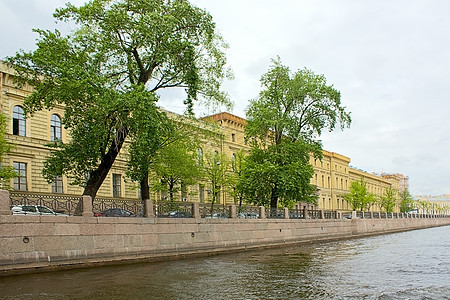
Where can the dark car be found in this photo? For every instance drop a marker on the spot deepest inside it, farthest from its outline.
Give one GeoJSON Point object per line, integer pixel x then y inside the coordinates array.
{"type": "Point", "coordinates": [115, 212]}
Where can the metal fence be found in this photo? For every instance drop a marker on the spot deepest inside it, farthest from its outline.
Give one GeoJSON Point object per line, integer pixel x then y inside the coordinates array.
{"type": "Point", "coordinates": [101, 204]}
{"type": "Point", "coordinates": [296, 213]}
{"type": "Point", "coordinates": [217, 211]}
{"type": "Point", "coordinates": [173, 209]}
{"type": "Point", "coordinates": [247, 212]}
{"type": "Point", "coordinates": [70, 205]}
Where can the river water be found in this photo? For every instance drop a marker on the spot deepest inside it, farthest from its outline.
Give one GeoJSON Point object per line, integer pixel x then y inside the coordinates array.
{"type": "Point", "coordinates": [408, 265]}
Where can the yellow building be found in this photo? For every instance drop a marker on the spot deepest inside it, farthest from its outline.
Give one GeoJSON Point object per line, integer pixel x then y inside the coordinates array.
{"type": "Point", "coordinates": [333, 175]}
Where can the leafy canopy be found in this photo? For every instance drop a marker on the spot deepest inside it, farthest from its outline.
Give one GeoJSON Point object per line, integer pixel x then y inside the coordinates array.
{"type": "Point", "coordinates": [279, 172]}
{"type": "Point", "coordinates": [176, 165]}
{"type": "Point", "coordinates": [110, 68]}
{"type": "Point", "coordinates": [389, 200]}
{"type": "Point", "coordinates": [296, 106]}
{"type": "Point", "coordinates": [283, 125]}
{"type": "Point", "coordinates": [359, 197]}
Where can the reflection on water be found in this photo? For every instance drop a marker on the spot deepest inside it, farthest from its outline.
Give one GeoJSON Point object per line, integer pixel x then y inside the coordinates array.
{"type": "Point", "coordinates": [410, 265]}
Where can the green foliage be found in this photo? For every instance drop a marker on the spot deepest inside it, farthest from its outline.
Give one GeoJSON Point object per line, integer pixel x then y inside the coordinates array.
{"type": "Point", "coordinates": [294, 106]}
{"type": "Point", "coordinates": [359, 197]}
{"type": "Point", "coordinates": [107, 72]}
{"type": "Point", "coordinates": [389, 200]}
{"type": "Point", "coordinates": [283, 125]}
{"type": "Point", "coordinates": [236, 185]}
{"type": "Point", "coordinates": [279, 172]}
{"type": "Point", "coordinates": [406, 201]}
{"type": "Point", "coordinates": [175, 165]}
{"type": "Point", "coordinates": [216, 166]}
{"type": "Point", "coordinates": [6, 172]}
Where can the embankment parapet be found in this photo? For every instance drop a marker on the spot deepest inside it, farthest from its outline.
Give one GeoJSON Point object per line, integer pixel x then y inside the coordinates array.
{"type": "Point", "coordinates": [29, 242]}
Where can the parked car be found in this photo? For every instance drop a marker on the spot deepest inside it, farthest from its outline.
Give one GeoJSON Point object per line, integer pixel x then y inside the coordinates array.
{"type": "Point", "coordinates": [248, 215]}
{"type": "Point", "coordinates": [115, 212]}
{"type": "Point", "coordinates": [34, 210]}
{"type": "Point", "coordinates": [177, 214]}
{"type": "Point", "coordinates": [218, 216]}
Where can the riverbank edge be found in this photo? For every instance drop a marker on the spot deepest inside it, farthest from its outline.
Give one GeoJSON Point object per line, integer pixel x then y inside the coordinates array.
{"type": "Point", "coordinates": [250, 235]}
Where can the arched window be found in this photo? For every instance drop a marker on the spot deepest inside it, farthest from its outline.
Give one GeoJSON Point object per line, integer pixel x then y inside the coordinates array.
{"type": "Point", "coordinates": [19, 124]}
{"type": "Point", "coordinates": [55, 128]}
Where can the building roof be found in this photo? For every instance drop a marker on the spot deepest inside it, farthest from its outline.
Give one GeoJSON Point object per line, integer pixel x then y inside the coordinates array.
{"type": "Point", "coordinates": [225, 116]}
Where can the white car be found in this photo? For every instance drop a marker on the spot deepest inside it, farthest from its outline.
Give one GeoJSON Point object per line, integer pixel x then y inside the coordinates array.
{"type": "Point", "coordinates": [33, 210]}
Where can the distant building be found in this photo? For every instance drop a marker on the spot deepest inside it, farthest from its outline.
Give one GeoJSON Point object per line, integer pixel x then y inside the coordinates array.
{"type": "Point", "coordinates": [433, 204]}
{"type": "Point", "coordinates": [402, 179]}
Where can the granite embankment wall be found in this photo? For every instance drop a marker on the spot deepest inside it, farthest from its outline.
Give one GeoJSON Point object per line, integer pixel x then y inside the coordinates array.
{"type": "Point", "coordinates": [31, 243]}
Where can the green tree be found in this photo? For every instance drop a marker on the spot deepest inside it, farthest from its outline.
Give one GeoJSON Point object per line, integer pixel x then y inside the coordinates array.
{"type": "Point", "coordinates": [175, 165]}
{"type": "Point", "coordinates": [122, 53]}
{"type": "Point", "coordinates": [237, 188]}
{"type": "Point", "coordinates": [406, 201]}
{"type": "Point", "coordinates": [389, 200]}
{"type": "Point", "coordinates": [216, 167]}
{"type": "Point", "coordinates": [359, 197]}
{"type": "Point", "coordinates": [6, 172]}
{"type": "Point", "coordinates": [279, 172]}
{"type": "Point", "coordinates": [291, 108]}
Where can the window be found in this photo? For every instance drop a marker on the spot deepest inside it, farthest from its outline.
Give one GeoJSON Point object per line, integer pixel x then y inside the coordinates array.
{"type": "Point", "coordinates": [233, 137]}
{"type": "Point", "coordinates": [233, 162]}
{"type": "Point", "coordinates": [201, 193]}
{"type": "Point", "coordinates": [116, 185]}
{"type": "Point", "coordinates": [200, 156]}
{"type": "Point", "coordinates": [19, 124]}
{"type": "Point", "coordinates": [20, 182]}
{"type": "Point", "coordinates": [55, 128]}
{"type": "Point", "coordinates": [57, 185]}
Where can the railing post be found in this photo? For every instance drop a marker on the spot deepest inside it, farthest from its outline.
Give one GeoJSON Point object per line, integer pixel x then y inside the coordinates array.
{"type": "Point", "coordinates": [148, 208]}
{"type": "Point", "coordinates": [262, 212]}
{"type": "Point", "coordinates": [286, 213]}
{"type": "Point", "coordinates": [305, 212]}
{"type": "Point", "coordinates": [371, 214]}
{"type": "Point", "coordinates": [354, 214]}
{"type": "Point", "coordinates": [196, 210]}
{"type": "Point", "coordinates": [322, 215]}
{"type": "Point", "coordinates": [233, 211]}
{"type": "Point", "coordinates": [87, 206]}
{"type": "Point", "coordinates": [5, 203]}
{"type": "Point", "coordinates": [337, 215]}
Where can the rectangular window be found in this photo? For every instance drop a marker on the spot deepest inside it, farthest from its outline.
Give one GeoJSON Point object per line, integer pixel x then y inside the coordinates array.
{"type": "Point", "coordinates": [57, 185]}
{"type": "Point", "coordinates": [20, 182]}
{"type": "Point", "coordinates": [116, 185]}
{"type": "Point", "coordinates": [201, 193]}
{"type": "Point", "coordinates": [233, 137]}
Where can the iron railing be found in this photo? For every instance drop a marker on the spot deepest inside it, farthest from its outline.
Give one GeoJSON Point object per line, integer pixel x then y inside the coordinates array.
{"type": "Point", "coordinates": [296, 213]}
{"type": "Point", "coordinates": [64, 204]}
{"type": "Point", "coordinates": [247, 212]}
{"type": "Point", "coordinates": [173, 209]}
{"type": "Point", "coordinates": [217, 211]}
{"type": "Point", "coordinates": [135, 206]}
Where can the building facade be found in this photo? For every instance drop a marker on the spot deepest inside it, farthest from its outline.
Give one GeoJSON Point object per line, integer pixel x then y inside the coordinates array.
{"type": "Point", "coordinates": [29, 135]}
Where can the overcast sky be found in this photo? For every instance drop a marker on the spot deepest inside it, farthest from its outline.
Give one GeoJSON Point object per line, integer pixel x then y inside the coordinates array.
{"type": "Point", "coordinates": [389, 59]}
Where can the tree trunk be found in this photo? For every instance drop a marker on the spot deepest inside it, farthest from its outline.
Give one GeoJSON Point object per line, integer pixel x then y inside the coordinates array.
{"type": "Point", "coordinates": [171, 192]}
{"type": "Point", "coordinates": [273, 202]}
{"type": "Point", "coordinates": [97, 176]}
{"type": "Point", "coordinates": [145, 189]}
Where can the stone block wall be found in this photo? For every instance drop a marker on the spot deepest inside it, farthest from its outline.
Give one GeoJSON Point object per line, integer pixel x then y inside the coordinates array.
{"type": "Point", "coordinates": [29, 242]}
